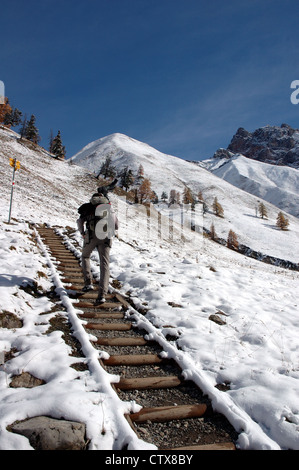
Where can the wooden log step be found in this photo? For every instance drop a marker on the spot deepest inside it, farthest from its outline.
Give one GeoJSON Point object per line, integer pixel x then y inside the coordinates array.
{"type": "Point", "coordinates": [142, 383]}
{"type": "Point", "coordinates": [168, 413]}
{"type": "Point", "coordinates": [109, 326]}
{"type": "Point", "coordinates": [132, 360]}
{"type": "Point", "coordinates": [72, 279]}
{"type": "Point", "coordinates": [69, 270]}
{"type": "Point", "coordinates": [105, 305]}
{"type": "Point", "coordinates": [215, 446]}
{"type": "Point", "coordinates": [65, 258]}
{"type": "Point", "coordinates": [71, 264]}
{"type": "Point", "coordinates": [125, 341]}
{"type": "Point", "coordinates": [101, 315]}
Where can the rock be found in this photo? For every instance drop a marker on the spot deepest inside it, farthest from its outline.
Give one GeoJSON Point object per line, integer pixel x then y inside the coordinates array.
{"type": "Point", "coordinates": [9, 320]}
{"type": "Point", "coordinates": [271, 144]}
{"type": "Point", "coordinates": [215, 318]}
{"type": "Point", "coordinates": [52, 434]}
{"type": "Point", "coordinates": [25, 380]}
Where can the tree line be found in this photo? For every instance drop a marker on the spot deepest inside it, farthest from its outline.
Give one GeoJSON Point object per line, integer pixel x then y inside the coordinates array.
{"type": "Point", "coordinates": [13, 117]}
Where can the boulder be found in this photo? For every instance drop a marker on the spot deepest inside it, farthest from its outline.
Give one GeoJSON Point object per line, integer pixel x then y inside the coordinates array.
{"type": "Point", "coordinates": [46, 433]}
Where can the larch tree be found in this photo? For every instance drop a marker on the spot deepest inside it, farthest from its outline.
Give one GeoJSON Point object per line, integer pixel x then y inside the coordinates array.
{"type": "Point", "coordinates": [232, 240]}
{"type": "Point", "coordinates": [217, 208]}
{"type": "Point", "coordinates": [262, 210]}
{"type": "Point", "coordinates": [282, 222]}
{"type": "Point", "coordinates": [5, 109]}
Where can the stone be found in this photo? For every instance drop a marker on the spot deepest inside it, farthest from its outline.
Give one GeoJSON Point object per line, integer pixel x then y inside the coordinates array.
{"type": "Point", "coordinates": [9, 320]}
{"type": "Point", "coordinates": [46, 433]}
{"type": "Point", "coordinates": [217, 319]}
{"type": "Point", "coordinates": [25, 380]}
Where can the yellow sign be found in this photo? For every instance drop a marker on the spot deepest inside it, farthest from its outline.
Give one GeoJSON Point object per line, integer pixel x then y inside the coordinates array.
{"type": "Point", "coordinates": [15, 163]}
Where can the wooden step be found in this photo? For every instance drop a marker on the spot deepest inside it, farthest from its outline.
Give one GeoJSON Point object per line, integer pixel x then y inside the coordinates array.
{"type": "Point", "coordinates": [105, 305]}
{"type": "Point", "coordinates": [132, 360]}
{"type": "Point", "coordinates": [101, 315]}
{"type": "Point", "coordinates": [109, 326]}
{"type": "Point", "coordinates": [125, 341]}
{"type": "Point", "coordinates": [216, 446]}
{"type": "Point", "coordinates": [72, 279]}
{"type": "Point", "coordinates": [168, 413]}
{"type": "Point", "coordinates": [142, 383]}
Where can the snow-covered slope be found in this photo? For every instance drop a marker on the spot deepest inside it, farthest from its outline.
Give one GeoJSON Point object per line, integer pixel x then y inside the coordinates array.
{"type": "Point", "coordinates": [180, 280]}
{"type": "Point", "coordinates": [278, 185]}
{"type": "Point", "coordinates": [167, 172]}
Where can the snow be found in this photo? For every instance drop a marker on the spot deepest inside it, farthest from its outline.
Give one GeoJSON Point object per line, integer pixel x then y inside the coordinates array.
{"type": "Point", "coordinates": [180, 279]}
{"type": "Point", "coordinates": [278, 185]}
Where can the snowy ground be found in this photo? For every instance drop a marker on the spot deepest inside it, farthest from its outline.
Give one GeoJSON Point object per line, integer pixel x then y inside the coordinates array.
{"type": "Point", "coordinates": [256, 351]}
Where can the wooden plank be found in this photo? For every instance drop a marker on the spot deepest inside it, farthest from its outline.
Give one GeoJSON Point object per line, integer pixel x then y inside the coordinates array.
{"type": "Point", "coordinates": [132, 360]}
{"type": "Point", "coordinates": [215, 446]}
{"type": "Point", "coordinates": [142, 383]}
{"type": "Point", "coordinates": [125, 341]}
{"type": "Point", "coordinates": [108, 326]}
{"type": "Point", "coordinates": [101, 315]}
{"type": "Point", "coordinates": [167, 413]}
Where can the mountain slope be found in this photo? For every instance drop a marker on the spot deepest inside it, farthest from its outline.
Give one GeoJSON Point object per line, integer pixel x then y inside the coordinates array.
{"type": "Point", "coordinates": [278, 185]}
{"type": "Point", "coordinates": [167, 172]}
{"type": "Point", "coordinates": [178, 282]}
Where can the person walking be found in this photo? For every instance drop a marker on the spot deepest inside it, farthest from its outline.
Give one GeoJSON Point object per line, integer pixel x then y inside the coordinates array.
{"type": "Point", "coordinates": [97, 224]}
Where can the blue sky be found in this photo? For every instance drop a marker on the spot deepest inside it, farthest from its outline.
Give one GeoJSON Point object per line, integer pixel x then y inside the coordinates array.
{"type": "Point", "coordinates": [181, 75]}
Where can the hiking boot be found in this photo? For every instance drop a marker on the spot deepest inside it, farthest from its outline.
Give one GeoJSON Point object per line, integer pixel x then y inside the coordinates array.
{"type": "Point", "coordinates": [87, 287]}
{"type": "Point", "coordinates": [100, 300]}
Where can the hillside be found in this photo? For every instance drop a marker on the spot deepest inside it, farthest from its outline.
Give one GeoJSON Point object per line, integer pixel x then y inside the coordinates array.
{"type": "Point", "coordinates": [278, 185]}
{"type": "Point", "coordinates": [167, 172]}
{"type": "Point", "coordinates": [177, 281]}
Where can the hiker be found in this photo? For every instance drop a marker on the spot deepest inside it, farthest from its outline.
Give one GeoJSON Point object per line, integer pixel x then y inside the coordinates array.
{"type": "Point", "coordinates": [97, 224]}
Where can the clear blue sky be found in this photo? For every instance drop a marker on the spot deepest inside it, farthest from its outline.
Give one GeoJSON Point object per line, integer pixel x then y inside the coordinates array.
{"type": "Point", "coordinates": [181, 75]}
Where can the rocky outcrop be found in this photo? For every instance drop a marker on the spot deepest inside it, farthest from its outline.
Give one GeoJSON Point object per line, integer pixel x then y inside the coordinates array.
{"type": "Point", "coordinates": [269, 144]}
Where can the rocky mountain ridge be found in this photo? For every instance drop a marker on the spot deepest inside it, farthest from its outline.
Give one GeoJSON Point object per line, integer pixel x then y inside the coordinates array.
{"type": "Point", "coordinates": [277, 145]}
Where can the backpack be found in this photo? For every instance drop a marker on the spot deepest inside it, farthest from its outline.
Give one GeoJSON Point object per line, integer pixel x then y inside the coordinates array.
{"type": "Point", "coordinates": [99, 219]}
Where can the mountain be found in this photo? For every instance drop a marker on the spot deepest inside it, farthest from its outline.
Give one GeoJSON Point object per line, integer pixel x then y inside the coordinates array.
{"type": "Point", "coordinates": [278, 185]}
{"type": "Point", "coordinates": [167, 172]}
{"type": "Point", "coordinates": [270, 144]}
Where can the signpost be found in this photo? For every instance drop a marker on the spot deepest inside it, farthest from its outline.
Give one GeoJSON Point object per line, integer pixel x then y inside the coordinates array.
{"type": "Point", "coordinates": [16, 166]}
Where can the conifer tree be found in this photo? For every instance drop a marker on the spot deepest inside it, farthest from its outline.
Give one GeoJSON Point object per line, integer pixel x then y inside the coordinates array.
{"type": "Point", "coordinates": [262, 210]}
{"type": "Point", "coordinates": [213, 235]}
{"type": "Point", "coordinates": [164, 196]}
{"type": "Point", "coordinates": [107, 169]}
{"type": "Point", "coordinates": [187, 196]}
{"type": "Point", "coordinates": [217, 208]}
{"type": "Point", "coordinates": [57, 148]}
{"type": "Point", "coordinates": [23, 127]}
{"type": "Point", "coordinates": [145, 192]}
{"type": "Point", "coordinates": [140, 173]}
{"type": "Point", "coordinates": [12, 118]}
{"type": "Point", "coordinates": [282, 222]}
{"type": "Point", "coordinates": [5, 109]}
{"type": "Point", "coordinates": [126, 178]}
{"type": "Point", "coordinates": [232, 240]}
{"type": "Point", "coordinates": [31, 132]}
